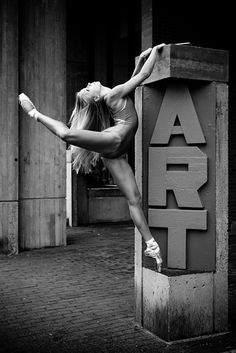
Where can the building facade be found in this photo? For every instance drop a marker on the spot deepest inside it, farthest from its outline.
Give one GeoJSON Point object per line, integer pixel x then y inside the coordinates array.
{"type": "Point", "coordinates": [50, 50]}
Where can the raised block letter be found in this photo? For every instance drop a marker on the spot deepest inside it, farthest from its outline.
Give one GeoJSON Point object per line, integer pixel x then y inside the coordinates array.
{"type": "Point", "coordinates": [177, 222]}
{"type": "Point", "coordinates": [185, 184]}
{"type": "Point", "coordinates": [177, 103]}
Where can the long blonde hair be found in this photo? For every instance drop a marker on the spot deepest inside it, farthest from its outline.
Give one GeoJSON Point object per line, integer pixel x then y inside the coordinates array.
{"type": "Point", "coordinates": [88, 114]}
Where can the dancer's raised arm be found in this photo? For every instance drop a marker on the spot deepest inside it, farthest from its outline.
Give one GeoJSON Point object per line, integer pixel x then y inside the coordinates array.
{"type": "Point", "coordinates": [141, 72]}
{"type": "Point", "coordinates": [141, 60]}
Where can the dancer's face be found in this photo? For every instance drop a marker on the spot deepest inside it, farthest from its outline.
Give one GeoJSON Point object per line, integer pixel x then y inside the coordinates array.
{"type": "Point", "coordinates": [92, 90]}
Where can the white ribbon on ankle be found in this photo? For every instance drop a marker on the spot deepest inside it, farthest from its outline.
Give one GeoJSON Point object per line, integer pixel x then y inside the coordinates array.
{"type": "Point", "coordinates": [34, 114]}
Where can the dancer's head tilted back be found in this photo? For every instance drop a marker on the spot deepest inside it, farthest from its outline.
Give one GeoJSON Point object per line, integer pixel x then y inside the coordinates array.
{"type": "Point", "coordinates": [90, 110]}
{"type": "Point", "coordinates": [90, 113]}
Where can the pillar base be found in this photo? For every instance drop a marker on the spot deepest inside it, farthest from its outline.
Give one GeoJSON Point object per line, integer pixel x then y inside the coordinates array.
{"type": "Point", "coordinates": [177, 307]}
{"type": "Point", "coordinates": [9, 227]}
{"type": "Point", "coordinates": [42, 223]}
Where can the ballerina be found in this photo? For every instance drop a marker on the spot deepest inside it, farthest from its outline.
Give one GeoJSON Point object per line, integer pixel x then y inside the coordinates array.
{"type": "Point", "coordinates": [103, 125]}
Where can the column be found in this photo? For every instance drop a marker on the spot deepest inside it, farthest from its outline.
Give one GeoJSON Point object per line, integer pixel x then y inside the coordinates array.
{"type": "Point", "coordinates": [182, 171]}
{"type": "Point", "coordinates": [42, 179]}
{"type": "Point", "coordinates": [9, 127]}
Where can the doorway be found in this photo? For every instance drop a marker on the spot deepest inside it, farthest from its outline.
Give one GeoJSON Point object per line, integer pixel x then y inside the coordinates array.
{"type": "Point", "coordinates": [99, 47]}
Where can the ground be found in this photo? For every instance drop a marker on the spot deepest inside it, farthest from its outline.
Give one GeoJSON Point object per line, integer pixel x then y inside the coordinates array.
{"type": "Point", "coordinates": [80, 298]}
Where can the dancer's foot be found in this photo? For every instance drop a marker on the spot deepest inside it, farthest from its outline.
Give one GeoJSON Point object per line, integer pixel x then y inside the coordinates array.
{"type": "Point", "coordinates": [153, 250]}
{"type": "Point", "coordinates": [27, 105]}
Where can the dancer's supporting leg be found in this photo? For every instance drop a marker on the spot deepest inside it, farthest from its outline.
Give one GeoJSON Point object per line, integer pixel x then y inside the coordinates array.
{"type": "Point", "coordinates": [124, 177]}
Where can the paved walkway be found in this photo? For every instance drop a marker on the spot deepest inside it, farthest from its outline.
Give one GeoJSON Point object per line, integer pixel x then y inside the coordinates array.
{"type": "Point", "coordinates": [79, 298]}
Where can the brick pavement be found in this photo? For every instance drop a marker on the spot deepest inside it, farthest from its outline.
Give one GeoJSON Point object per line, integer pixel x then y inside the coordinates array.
{"type": "Point", "coordinates": [79, 298]}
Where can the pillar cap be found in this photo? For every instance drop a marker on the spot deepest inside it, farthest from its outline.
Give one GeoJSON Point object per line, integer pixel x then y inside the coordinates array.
{"type": "Point", "coordinates": [190, 62]}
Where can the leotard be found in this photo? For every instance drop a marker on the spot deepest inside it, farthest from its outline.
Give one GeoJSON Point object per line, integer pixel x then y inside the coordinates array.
{"type": "Point", "coordinates": [125, 125]}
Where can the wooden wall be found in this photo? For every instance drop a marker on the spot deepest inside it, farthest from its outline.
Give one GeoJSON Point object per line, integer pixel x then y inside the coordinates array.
{"type": "Point", "coordinates": [9, 126]}
{"type": "Point", "coordinates": [42, 170]}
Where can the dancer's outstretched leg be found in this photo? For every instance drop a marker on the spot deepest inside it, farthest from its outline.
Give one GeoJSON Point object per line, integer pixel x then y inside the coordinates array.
{"type": "Point", "coordinates": [123, 176]}
{"type": "Point", "coordinates": [101, 142]}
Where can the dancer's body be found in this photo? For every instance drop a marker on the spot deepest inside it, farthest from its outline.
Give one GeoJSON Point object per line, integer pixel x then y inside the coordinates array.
{"type": "Point", "coordinates": [92, 136]}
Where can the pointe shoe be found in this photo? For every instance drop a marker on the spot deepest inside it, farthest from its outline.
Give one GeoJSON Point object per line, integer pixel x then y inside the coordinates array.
{"type": "Point", "coordinates": [26, 103]}
{"type": "Point", "coordinates": [154, 251]}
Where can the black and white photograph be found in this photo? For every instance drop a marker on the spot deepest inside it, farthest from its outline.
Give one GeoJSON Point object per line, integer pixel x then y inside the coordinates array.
{"type": "Point", "coordinates": [117, 177]}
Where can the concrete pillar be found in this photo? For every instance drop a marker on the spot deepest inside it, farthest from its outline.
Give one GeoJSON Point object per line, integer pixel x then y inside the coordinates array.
{"type": "Point", "coordinates": [9, 127]}
{"type": "Point", "coordinates": [68, 188]}
{"type": "Point", "coordinates": [182, 172]}
{"type": "Point", "coordinates": [42, 182]}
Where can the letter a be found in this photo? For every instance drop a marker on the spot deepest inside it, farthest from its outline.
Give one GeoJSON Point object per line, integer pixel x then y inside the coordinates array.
{"type": "Point", "coordinates": [177, 103]}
